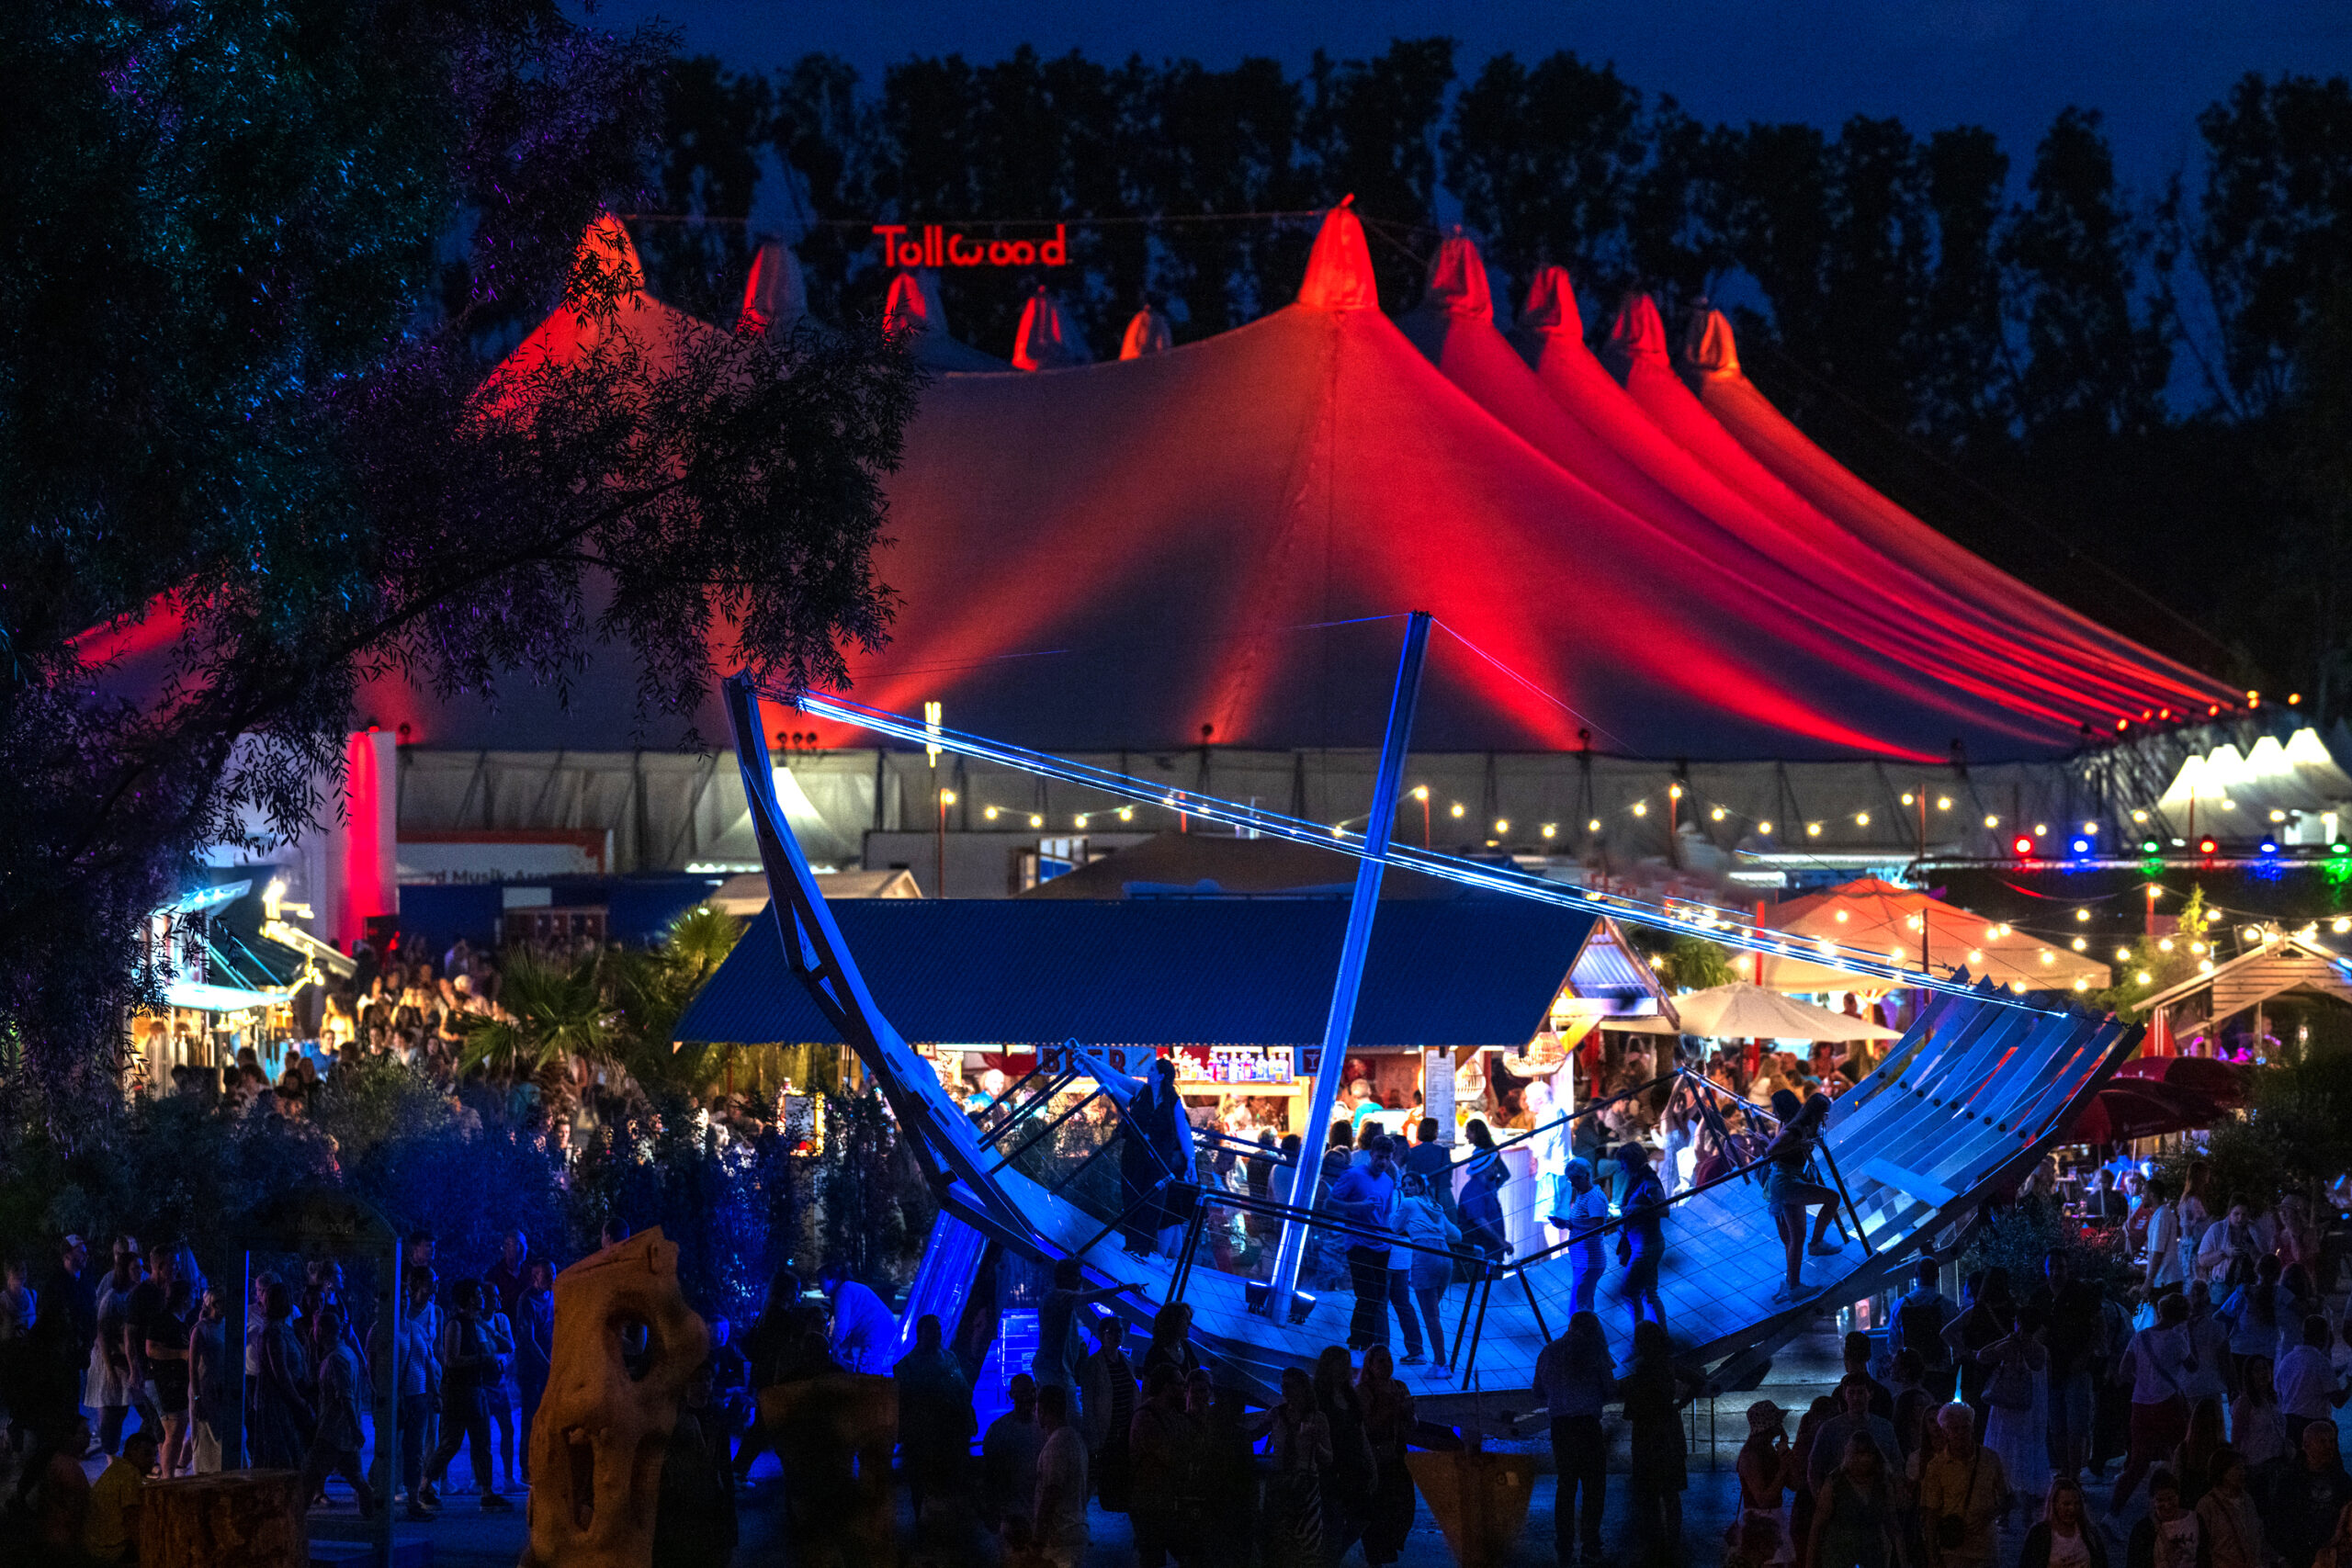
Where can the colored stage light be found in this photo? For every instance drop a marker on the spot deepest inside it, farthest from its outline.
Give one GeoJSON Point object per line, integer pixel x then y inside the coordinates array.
{"type": "Point", "coordinates": [2082, 846]}
{"type": "Point", "coordinates": [2206, 846]}
{"type": "Point", "coordinates": [2269, 845]}
{"type": "Point", "coordinates": [2023, 846]}
{"type": "Point", "coordinates": [2148, 846]}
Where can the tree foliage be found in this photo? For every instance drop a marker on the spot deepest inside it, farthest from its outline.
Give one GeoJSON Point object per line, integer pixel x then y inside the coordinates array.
{"type": "Point", "coordinates": [269, 257]}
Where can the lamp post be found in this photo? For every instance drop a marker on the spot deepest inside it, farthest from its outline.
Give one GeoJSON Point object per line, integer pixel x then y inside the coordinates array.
{"type": "Point", "coordinates": [1421, 794]}
{"type": "Point", "coordinates": [939, 864]}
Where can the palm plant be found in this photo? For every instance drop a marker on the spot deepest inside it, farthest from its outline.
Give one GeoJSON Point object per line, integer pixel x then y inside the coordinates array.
{"type": "Point", "coordinates": [551, 1013]}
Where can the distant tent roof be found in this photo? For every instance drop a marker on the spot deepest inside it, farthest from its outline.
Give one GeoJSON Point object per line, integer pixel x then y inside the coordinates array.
{"type": "Point", "coordinates": [1046, 338]}
{"type": "Point", "coordinates": [913, 306]}
{"type": "Point", "coordinates": [1147, 333]}
{"type": "Point", "coordinates": [775, 296]}
{"type": "Point", "coordinates": [1162, 972]}
{"type": "Point", "coordinates": [1780, 447]}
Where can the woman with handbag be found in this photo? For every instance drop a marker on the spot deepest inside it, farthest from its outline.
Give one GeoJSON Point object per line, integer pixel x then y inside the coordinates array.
{"type": "Point", "coordinates": [2015, 1402]}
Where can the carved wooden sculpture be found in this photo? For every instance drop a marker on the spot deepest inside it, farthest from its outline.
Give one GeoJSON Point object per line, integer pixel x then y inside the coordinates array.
{"type": "Point", "coordinates": [624, 1346]}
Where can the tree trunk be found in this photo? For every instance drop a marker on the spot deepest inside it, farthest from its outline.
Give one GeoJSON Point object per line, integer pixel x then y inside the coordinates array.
{"type": "Point", "coordinates": [239, 1518]}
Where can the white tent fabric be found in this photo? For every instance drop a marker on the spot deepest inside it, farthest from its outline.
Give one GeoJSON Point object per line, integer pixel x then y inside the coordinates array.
{"type": "Point", "coordinates": [1744, 1012]}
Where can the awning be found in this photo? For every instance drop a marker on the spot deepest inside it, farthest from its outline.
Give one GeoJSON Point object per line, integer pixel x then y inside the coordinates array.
{"type": "Point", "coordinates": [1742, 1011]}
{"type": "Point", "coordinates": [1441, 974]}
{"type": "Point", "coordinates": [2140, 1108]}
{"type": "Point", "coordinates": [202, 998]}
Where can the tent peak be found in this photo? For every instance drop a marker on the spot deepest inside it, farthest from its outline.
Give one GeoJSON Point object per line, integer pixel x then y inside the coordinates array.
{"type": "Point", "coordinates": [1147, 333]}
{"type": "Point", "coordinates": [606, 263]}
{"type": "Point", "coordinates": [774, 295]}
{"type": "Point", "coordinates": [910, 308]}
{"type": "Point", "coordinates": [1046, 338]}
{"type": "Point", "coordinates": [1711, 348]}
{"type": "Point", "coordinates": [1551, 303]}
{"type": "Point", "coordinates": [1338, 270]}
{"type": "Point", "coordinates": [1458, 280]}
{"type": "Point", "coordinates": [1638, 332]}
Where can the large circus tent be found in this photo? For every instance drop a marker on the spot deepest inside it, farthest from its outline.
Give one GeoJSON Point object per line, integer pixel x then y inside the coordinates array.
{"type": "Point", "coordinates": [1672, 627]}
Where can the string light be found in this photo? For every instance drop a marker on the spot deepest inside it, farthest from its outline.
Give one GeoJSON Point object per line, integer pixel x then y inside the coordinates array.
{"type": "Point", "coordinates": [1641, 809]}
{"type": "Point", "coordinates": [2042, 829]}
{"type": "Point", "coordinates": [1907, 797]}
{"type": "Point", "coordinates": [1861, 818]}
{"type": "Point", "coordinates": [1764, 829]}
{"type": "Point", "coordinates": [2091, 828]}
{"type": "Point", "coordinates": [946, 797]}
{"type": "Point", "coordinates": [2048, 956]}
{"type": "Point", "coordinates": [1992, 821]}
{"type": "Point", "coordinates": [2165, 945]}
{"type": "Point", "coordinates": [1126, 814]}
{"type": "Point", "coordinates": [2123, 956]}
{"type": "Point", "coordinates": [1036, 821]}
{"type": "Point", "coordinates": [1843, 917]}
{"type": "Point", "coordinates": [2139, 817]}
{"type": "Point", "coordinates": [1593, 826]}
{"type": "Point", "coordinates": [2080, 984]}
{"type": "Point", "coordinates": [2082, 944]}
{"type": "Point", "coordinates": [2140, 979]}
{"type": "Point", "coordinates": [1718, 814]}
{"type": "Point", "coordinates": [2082, 914]}
{"type": "Point", "coordinates": [1674, 792]}
{"type": "Point", "coordinates": [2205, 966]}
{"type": "Point", "coordinates": [1551, 829]}
{"type": "Point", "coordinates": [1458, 809]}
{"type": "Point", "coordinates": [989, 813]}
{"type": "Point", "coordinates": [1502, 824]}
{"type": "Point", "coordinates": [1944, 802]}
{"type": "Point", "coordinates": [2340, 925]}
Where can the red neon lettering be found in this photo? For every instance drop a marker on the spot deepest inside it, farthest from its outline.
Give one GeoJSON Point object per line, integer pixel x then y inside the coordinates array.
{"type": "Point", "coordinates": [1023, 252]}
{"type": "Point", "coordinates": [1056, 251]}
{"type": "Point", "coordinates": [959, 257]}
{"type": "Point", "coordinates": [889, 233]}
{"type": "Point", "coordinates": [930, 244]}
{"type": "Point", "coordinates": [1000, 253]}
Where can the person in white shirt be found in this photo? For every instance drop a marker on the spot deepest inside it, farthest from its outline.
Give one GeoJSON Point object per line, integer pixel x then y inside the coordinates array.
{"type": "Point", "coordinates": [2306, 1381]}
{"type": "Point", "coordinates": [865, 1332]}
{"type": "Point", "coordinates": [1587, 1211]}
{"type": "Point", "coordinates": [2159, 1360]}
{"type": "Point", "coordinates": [1060, 1511]}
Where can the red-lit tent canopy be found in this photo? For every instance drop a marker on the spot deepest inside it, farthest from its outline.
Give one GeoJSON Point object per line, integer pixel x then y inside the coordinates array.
{"type": "Point", "coordinates": [1585, 421]}
{"type": "Point", "coordinates": [2103, 677]}
{"type": "Point", "coordinates": [1773, 446]}
{"type": "Point", "coordinates": [1123, 555]}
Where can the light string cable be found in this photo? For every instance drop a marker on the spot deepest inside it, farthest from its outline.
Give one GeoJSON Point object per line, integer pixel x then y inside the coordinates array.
{"type": "Point", "coordinates": [1429, 862]}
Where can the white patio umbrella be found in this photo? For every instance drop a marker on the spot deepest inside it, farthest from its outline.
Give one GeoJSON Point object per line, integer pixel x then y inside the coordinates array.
{"type": "Point", "coordinates": [1744, 1012]}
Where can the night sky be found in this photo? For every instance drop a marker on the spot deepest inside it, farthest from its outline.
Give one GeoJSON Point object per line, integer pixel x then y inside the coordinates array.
{"type": "Point", "coordinates": [2009, 64]}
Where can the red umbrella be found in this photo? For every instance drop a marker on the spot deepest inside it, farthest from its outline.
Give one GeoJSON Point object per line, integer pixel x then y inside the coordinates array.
{"type": "Point", "coordinates": [2140, 1108]}
{"type": "Point", "coordinates": [2224, 1083]}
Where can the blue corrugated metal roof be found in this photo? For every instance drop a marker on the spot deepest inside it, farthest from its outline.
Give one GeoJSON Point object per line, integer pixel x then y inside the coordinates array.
{"type": "Point", "coordinates": [1153, 972]}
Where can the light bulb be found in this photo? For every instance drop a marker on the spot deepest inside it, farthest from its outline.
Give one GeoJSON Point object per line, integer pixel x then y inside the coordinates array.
{"type": "Point", "coordinates": [1593, 826]}
{"type": "Point", "coordinates": [2082, 944]}
{"type": "Point", "coordinates": [989, 813]}
{"type": "Point", "coordinates": [1764, 829]}
{"type": "Point", "coordinates": [1813, 830]}
{"type": "Point", "coordinates": [1641, 809]}
{"type": "Point", "coordinates": [1992, 821]}
{"type": "Point", "coordinates": [2082, 914]}
{"type": "Point", "coordinates": [2123, 956]}
{"type": "Point", "coordinates": [1126, 814]}
{"type": "Point", "coordinates": [1458, 809]}
{"type": "Point", "coordinates": [1502, 824]}
{"type": "Point", "coordinates": [1036, 821]}
{"type": "Point", "coordinates": [1551, 829]}
{"type": "Point", "coordinates": [1907, 797]}
{"type": "Point", "coordinates": [1944, 802]}
{"type": "Point", "coordinates": [946, 797]}
{"type": "Point", "coordinates": [1674, 792]}
{"type": "Point", "coordinates": [1861, 818]}
{"type": "Point", "coordinates": [1718, 814]}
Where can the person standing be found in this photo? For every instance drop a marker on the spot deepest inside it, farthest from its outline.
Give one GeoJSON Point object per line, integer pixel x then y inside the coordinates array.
{"type": "Point", "coordinates": [2068, 1311]}
{"type": "Point", "coordinates": [2158, 1360]}
{"type": "Point", "coordinates": [108, 1391]}
{"type": "Point", "coordinates": [1766, 1468]}
{"type": "Point", "coordinates": [213, 1391]}
{"type": "Point", "coordinates": [1107, 1391]}
{"type": "Point", "coordinates": [279, 1435]}
{"type": "Point", "coordinates": [1574, 1376]}
{"type": "Point", "coordinates": [1484, 1176]}
{"type": "Point", "coordinates": [2306, 1381]}
{"type": "Point", "coordinates": [504, 1280]}
{"type": "Point", "coordinates": [1584, 1216]}
{"type": "Point", "coordinates": [1642, 1244]}
{"type": "Point", "coordinates": [64, 1331]}
{"type": "Point", "coordinates": [1160, 1440]}
{"type": "Point", "coordinates": [2307, 1494]}
{"type": "Point", "coordinates": [2171, 1536]}
{"type": "Point", "coordinates": [1346, 1485]}
{"type": "Point", "coordinates": [695, 1524]}
{"type": "Point", "coordinates": [1299, 1451]}
{"type": "Point", "coordinates": [2015, 1396]}
{"type": "Point", "coordinates": [1058, 1317]}
{"type": "Point", "coordinates": [1659, 1474]}
{"type": "Point", "coordinates": [1059, 1512]}
{"type": "Point", "coordinates": [2227, 1518]}
{"type": "Point", "coordinates": [936, 1422]}
{"type": "Point", "coordinates": [533, 1322]}
{"type": "Point", "coordinates": [1985, 1318]}
{"type": "Point", "coordinates": [1368, 1196]}
{"type": "Point", "coordinates": [337, 1440]}
{"type": "Point", "coordinates": [1425, 1224]}
{"type": "Point", "coordinates": [1854, 1521]}
{"type": "Point", "coordinates": [2192, 1216]}
{"type": "Point", "coordinates": [1009, 1454]}
{"type": "Point", "coordinates": [1388, 1427]}
{"type": "Point", "coordinates": [157, 1321]}
{"type": "Point", "coordinates": [2064, 1537]}
{"type": "Point", "coordinates": [469, 1356]}
{"type": "Point", "coordinates": [1919, 1325]}
{"type": "Point", "coordinates": [2164, 1266]}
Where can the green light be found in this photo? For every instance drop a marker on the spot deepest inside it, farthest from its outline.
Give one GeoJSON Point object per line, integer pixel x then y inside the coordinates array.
{"type": "Point", "coordinates": [2339, 848]}
{"type": "Point", "coordinates": [2148, 846]}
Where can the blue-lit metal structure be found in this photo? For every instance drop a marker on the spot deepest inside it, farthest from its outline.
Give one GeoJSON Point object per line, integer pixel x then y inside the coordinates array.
{"type": "Point", "coordinates": [1963, 1106]}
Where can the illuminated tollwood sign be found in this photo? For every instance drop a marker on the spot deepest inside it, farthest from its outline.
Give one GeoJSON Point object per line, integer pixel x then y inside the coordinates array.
{"type": "Point", "coordinates": [930, 244]}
